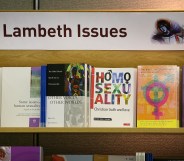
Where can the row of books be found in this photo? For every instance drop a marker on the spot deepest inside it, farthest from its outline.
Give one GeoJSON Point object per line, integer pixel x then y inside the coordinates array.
{"type": "Point", "coordinates": [80, 95]}
{"type": "Point", "coordinates": [36, 153]}
{"type": "Point", "coordinates": [140, 156]}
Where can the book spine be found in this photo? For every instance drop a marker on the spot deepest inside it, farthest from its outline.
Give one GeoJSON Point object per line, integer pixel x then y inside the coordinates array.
{"type": "Point", "coordinates": [148, 156]}
{"type": "Point", "coordinates": [43, 96]}
{"type": "Point", "coordinates": [137, 156]}
{"type": "Point", "coordinates": [143, 157]}
{"type": "Point", "coordinates": [92, 87]}
{"type": "Point", "coordinates": [86, 94]}
{"type": "Point", "coordinates": [89, 95]}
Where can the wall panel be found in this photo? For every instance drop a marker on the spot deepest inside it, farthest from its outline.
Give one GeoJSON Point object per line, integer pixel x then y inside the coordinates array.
{"type": "Point", "coordinates": [16, 5]}
{"type": "Point", "coordinates": [161, 145]}
{"type": "Point", "coordinates": [110, 4]}
{"type": "Point", "coordinates": [16, 139]}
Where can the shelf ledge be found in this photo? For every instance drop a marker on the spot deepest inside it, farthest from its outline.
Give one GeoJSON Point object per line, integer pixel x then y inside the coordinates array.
{"type": "Point", "coordinates": [90, 130]}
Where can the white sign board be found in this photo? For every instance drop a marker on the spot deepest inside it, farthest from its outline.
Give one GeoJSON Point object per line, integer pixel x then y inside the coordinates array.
{"type": "Point", "coordinates": [91, 30]}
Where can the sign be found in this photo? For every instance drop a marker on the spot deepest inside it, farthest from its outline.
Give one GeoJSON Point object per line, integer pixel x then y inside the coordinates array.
{"type": "Point", "coordinates": [91, 30]}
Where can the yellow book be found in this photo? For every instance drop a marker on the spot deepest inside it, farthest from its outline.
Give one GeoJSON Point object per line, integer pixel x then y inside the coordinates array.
{"type": "Point", "coordinates": [157, 100]}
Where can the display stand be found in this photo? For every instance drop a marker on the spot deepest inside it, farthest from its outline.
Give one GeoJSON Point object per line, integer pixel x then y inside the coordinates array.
{"type": "Point", "coordinates": [163, 143]}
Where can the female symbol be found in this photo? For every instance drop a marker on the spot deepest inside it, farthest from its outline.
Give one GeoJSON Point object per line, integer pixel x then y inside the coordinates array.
{"type": "Point", "coordinates": [157, 101]}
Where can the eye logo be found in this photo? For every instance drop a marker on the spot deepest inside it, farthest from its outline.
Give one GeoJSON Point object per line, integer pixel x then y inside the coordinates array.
{"type": "Point", "coordinates": [167, 31]}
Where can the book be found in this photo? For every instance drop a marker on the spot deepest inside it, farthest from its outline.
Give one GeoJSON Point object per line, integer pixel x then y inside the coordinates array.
{"type": "Point", "coordinates": [20, 97]}
{"type": "Point", "coordinates": [113, 97]}
{"type": "Point", "coordinates": [148, 156]}
{"type": "Point", "coordinates": [59, 157]}
{"type": "Point", "coordinates": [98, 157]}
{"type": "Point", "coordinates": [21, 153]}
{"type": "Point", "coordinates": [43, 96]}
{"type": "Point", "coordinates": [67, 95]}
{"type": "Point", "coordinates": [144, 156]}
{"type": "Point", "coordinates": [0, 92]}
{"type": "Point", "coordinates": [158, 96]}
{"type": "Point", "coordinates": [182, 98]}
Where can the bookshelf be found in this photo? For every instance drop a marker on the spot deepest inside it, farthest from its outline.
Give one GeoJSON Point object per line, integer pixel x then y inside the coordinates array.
{"type": "Point", "coordinates": [164, 143]}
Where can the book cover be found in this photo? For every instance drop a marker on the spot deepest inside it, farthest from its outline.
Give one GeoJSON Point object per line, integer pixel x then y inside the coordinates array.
{"type": "Point", "coordinates": [98, 157]}
{"type": "Point", "coordinates": [158, 96]}
{"type": "Point", "coordinates": [58, 157]}
{"type": "Point", "coordinates": [113, 97]}
{"type": "Point", "coordinates": [67, 95]}
{"type": "Point", "coordinates": [20, 97]}
{"type": "Point", "coordinates": [21, 153]}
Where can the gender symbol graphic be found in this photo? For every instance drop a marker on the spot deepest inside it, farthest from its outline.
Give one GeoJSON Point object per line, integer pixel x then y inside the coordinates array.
{"type": "Point", "coordinates": [156, 100]}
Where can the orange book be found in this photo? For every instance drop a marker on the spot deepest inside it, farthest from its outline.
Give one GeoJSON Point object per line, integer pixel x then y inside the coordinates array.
{"type": "Point", "coordinates": [157, 100]}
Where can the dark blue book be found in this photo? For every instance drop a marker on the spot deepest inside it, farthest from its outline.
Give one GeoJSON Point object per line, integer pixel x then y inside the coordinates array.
{"type": "Point", "coordinates": [43, 95]}
{"type": "Point", "coordinates": [149, 156]}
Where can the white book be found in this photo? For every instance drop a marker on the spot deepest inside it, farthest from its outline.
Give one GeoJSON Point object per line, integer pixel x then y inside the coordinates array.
{"type": "Point", "coordinates": [113, 97]}
{"type": "Point", "coordinates": [121, 158]}
{"type": "Point", "coordinates": [142, 156]}
{"type": "Point", "coordinates": [20, 97]}
{"type": "Point", "coordinates": [138, 156]}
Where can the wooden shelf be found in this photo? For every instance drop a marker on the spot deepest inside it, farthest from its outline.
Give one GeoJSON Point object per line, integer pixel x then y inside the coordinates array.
{"type": "Point", "coordinates": [92, 130]}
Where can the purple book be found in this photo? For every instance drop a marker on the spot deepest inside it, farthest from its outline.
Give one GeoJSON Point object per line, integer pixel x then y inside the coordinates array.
{"type": "Point", "coordinates": [20, 153]}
